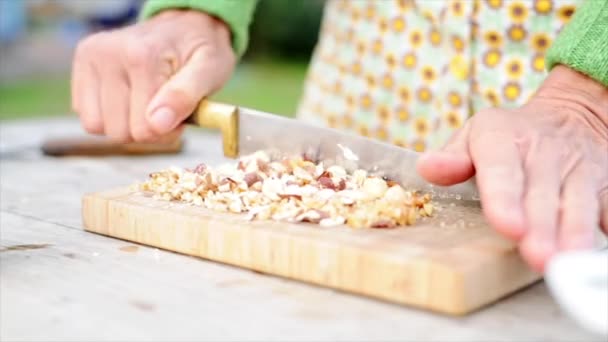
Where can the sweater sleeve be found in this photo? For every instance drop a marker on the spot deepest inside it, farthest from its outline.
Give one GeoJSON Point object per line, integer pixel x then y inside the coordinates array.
{"type": "Point", "coordinates": [583, 43]}
{"type": "Point", "coordinates": [237, 14]}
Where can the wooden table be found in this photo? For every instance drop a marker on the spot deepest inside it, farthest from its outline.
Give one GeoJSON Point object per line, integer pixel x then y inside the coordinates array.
{"type": "Point", "coordinates": [58, 282]}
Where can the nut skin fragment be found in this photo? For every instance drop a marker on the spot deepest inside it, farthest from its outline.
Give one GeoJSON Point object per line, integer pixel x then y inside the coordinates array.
{"type": "Point", "coordinates": [326, 182]}
{"type": "Point", "coordinates": [252, 178]}
{"type": "Point", "coordinates": [391, 183]}
{"type": "Point", "coordinates": [383, 224]}
{"type": "Point", "coordinates": [292, 190]}
{"type": "Point", "coordinates": [341, 185]}
{"type": "Point", "coordinates": [200, 168]}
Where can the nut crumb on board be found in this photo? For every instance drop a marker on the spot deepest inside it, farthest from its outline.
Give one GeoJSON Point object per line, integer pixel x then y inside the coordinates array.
{"type": "Point", "coordinates": [293, 190]}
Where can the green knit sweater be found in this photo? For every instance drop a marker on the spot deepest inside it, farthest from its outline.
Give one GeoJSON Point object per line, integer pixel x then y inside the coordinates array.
{"type": "Point", "coordinates": [582, 45]}
{"type": "Point", "coordinates": [237, 14]}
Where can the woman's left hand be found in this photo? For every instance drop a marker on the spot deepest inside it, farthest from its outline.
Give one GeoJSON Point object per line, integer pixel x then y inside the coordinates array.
{"type": "Point", "coordinates": [542, 169]}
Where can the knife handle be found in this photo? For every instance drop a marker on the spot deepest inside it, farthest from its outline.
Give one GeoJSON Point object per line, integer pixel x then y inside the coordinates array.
{"type": "Point", "coordinates": [221, 116]}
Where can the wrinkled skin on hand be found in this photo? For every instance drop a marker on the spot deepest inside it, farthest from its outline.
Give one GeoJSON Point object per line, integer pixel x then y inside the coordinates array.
{"type": "Point", "coordinates": [542, 169]}
{"type": "Point", "coordinates": [139, 83]}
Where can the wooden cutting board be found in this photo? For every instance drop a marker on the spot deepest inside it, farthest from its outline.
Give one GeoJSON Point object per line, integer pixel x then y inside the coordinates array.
{"type": "Point", "coordinates": [452, 263]}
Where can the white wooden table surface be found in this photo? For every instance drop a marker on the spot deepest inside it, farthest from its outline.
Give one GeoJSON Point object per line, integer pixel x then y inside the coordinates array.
{"type": "Point", "coordinates": [58, 282]}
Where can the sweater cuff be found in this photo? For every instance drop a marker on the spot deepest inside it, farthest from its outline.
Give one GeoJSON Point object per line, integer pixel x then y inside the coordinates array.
{"type": "Point", "coordinates": [583, 43]}
{"type": "Point", "coordinates": [237, 14]}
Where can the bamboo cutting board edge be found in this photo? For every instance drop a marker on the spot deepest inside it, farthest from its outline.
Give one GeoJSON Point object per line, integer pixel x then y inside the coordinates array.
{"type": "Point", "coordinates": [456, 282]}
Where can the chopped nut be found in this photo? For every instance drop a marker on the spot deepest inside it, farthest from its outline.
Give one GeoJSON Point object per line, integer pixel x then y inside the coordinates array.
{"type": "Point", "coordinates": [312, 216]}
{"type": "Point", "coordinates": [235, 206]}
{"type": "Point", "coordinates": [359, 176]}
{"type": "Point", "coordinates": [272, 187]}
{"type": "Point", "coordinates": [225, 187]}
{"type": "Point", "coordinates": [332, 221]}
{"type": "Point", "coordinates": [263, 165]}
{"type": "Point", "coordinates": [286, 214]}
{"type": "Point", "coordinates": [391, 183]}
{"type": "Point", "coordinates": [341, 184]}
{"type": "Point", "coordinates": [374, 187]}
{"type": "Point", "coordinates": [395, 194]}
{"type": "Point", "coordinates": [292, 190]}
{"type": "Point", "coordinates": [302, 174]}
{"type": "Point", "coordinates": [428, 209]}
{"type": "Point", "coordinates": [325, 194]}
{"type": "Point", "coordinates": [319, 170]}
{"type": "Point", "coordinates": [337, 171]}
{"type": "Point", "coordinates": [411, 217]}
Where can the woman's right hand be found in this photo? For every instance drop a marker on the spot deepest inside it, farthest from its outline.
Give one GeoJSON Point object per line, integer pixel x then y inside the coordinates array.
{"type": "Point", "coordinates": [141, 82]}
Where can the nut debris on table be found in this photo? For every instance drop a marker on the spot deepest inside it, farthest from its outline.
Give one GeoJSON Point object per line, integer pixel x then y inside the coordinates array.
{"type": "Point", "coordinates": [294, 190]}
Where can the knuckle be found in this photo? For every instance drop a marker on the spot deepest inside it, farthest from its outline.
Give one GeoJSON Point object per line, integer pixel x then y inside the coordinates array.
{"type": "Point", "coordinates": [211, 52]}
{"type": "Point", "coordinates": [139, 53]}
{"type": "Point", "coordinates": [96, 48]}
{"type": "Point", "coordinates": [538, 197]}
{"type": "Point", "coordinates": [84, 46]}
{"type": "Point", "coordinates": [181, 97]}
{"type": "Point", "coordinates": [224, 56]}
{"type": "Point", "coordinates": [572, 210]}
{"type": "Point", "coordinates": [89, 44]}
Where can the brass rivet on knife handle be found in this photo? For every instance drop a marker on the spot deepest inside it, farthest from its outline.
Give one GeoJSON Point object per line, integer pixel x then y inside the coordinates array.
{"type": "Point", "coordinates": [223, 116]}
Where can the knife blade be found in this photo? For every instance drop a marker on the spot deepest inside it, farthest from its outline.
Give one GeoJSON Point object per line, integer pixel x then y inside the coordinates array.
{"type": "Point", "coordinates": [247, 130]}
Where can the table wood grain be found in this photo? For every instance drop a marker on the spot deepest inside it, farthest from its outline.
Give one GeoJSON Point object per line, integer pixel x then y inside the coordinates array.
{"type": "Point", "coordinates": [58, 282]}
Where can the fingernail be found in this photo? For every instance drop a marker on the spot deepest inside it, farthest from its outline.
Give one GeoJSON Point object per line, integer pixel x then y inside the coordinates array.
{"type": "Point", "coordinates": [163, 119]}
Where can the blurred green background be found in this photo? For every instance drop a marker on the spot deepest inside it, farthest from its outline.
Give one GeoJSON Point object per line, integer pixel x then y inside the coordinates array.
{"type": "Point", "coordinates": [35, 57]}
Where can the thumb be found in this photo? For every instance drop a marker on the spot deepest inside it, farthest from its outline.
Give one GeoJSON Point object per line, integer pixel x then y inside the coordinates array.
{"type": "Point", "coordinates": [180, 95]}
{"type": "Point", "coordinates": [450, 165]}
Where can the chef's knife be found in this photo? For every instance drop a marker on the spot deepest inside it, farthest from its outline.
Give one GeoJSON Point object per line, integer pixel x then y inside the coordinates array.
{"type": "Point", "coordinates": [98, 146]}
{"type": "Point", "coordinates": [246, 131]}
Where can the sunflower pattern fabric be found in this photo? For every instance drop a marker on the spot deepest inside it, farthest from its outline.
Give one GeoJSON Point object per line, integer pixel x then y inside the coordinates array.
{"type": "Point", "coordinates": [411, 72]}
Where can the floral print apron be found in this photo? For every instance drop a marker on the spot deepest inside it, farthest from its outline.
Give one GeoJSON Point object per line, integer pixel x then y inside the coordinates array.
{"type": "Point", "coordinates": [411, 72]}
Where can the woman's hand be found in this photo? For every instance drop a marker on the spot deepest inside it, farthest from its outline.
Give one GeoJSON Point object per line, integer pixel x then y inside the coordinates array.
{"type": "Point", "coordinates": [139, 83]}
{"type": "Point", "coordinates": [542, 169]}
